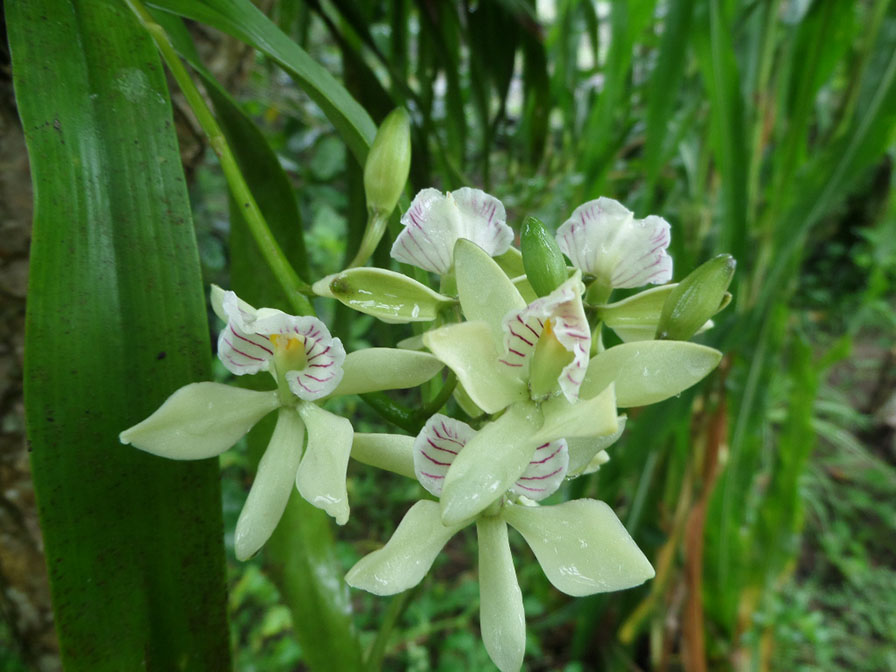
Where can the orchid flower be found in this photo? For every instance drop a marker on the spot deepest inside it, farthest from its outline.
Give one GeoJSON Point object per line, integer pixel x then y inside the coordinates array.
{"type": "Point", "coordinates": [436, 221]}
{"type": "Point", "coordinates": [202, 420]}
{"type": "Point", "coordinates": [603, 238]}
{"type": "Point", "coordinates": [531, 363]}
{"type": "Point", "coordinates": [581, 545]}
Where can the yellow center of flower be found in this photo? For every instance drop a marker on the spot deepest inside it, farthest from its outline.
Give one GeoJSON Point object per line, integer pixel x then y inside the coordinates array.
{"type": "Point", "coordinates": [289, 355]}
{"type": "Point", "coordinates": [548, 361]}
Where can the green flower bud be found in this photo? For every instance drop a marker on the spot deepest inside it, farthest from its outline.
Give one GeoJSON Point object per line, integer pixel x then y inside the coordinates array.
{"type": "Point", "coordinates": [390, 296]}
{"type": "Point", "coordinates": [698, 297]}
{"type": "Point", "coordinates": [388, 163]}
{"type": "Point", "coordinates": [542, 258]}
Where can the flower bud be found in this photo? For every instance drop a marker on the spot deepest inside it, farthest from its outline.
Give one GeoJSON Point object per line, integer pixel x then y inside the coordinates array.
{"type": "Point", "coordinates": [388, 163]}
{"type": "Point", "coordinates": [390, 296]}
{"type": "Point", "coordinates": [698, 297]}
{"type": "Point", "coordinates": [542, 258]}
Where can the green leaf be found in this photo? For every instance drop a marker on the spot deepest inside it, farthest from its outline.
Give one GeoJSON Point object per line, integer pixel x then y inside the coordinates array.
{"type": "Point", "coordinates": [649, 371]}
{"type": "Point", "coordinates": [116, 322]}
{"type": "Point", "coordinates": [245, 22]}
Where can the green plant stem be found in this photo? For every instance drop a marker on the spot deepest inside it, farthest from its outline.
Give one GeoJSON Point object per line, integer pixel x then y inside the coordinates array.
{"type": "Point", "coordinates": [294, 287]}
{"type": "Point", "coordinates": [374, 659]}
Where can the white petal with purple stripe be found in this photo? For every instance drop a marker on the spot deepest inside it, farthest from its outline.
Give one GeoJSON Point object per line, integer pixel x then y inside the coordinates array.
{"type": "Point", "coordinates": [563, 307]}
{"type": "Point", "coordinates": [602, 237]}
{"type": "Point", "coordinates": [545, 472]}
{"type": "Point", "coordinates": [435, 448]}
{"type": "Point", "coordinates": [435, 222]}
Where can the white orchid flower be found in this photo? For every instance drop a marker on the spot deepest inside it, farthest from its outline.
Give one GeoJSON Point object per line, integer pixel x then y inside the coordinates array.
{"type": "Point", "coordinates": [202, 420]}
{"type": "Point", "coordinates": [581, 545]}
{"type": "Point", "coordinates": [603, 238]}
{"type": "Point", "coordinates": [436, 221]}
{"type": "Point", "coordinates": [530, 362]}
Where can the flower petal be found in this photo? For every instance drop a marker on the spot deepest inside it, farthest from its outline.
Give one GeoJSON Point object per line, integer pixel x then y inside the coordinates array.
{"type": "Point", "coordinates": [485, 292]}
{"type": "Point", "coordinates": [272, 485]}
{"type": "Point", "coordinates": [563, 307]}
{"type": "Point", "coordinates": [483, 220]}
{"type": "Point", "coordinates": [545, 472]}
{"type": "Point", "coordinates": [502, 620]}
{"type": "Point", "coordinates": [406, 558]}
{"type": "Point", "coordinates": [581, 545]}
{"type": "Point", "coordinates": [392, 452]}
{"type": "Point", "coordinates": [585, 418]}
{"type": "Point", "coordinates": [321, 475]}
{"type": "Point", "coordinates": [603, 238]}
{"type": "Point", "coordinates": [584, 450]}
{"type": "Point", "coordinates": [490, 463]}
{"type": "Point", "coordinates": [434, 222]}
{"type": "Point", "coordinates": [435, 448]}
{"type": "Point", "coordinates": [243, 352]}
{"type": "Point", "coordinates": [324, 355]}
{"type": "Point", "coordinates": [468, 350]}
{"type": "Point", "coordinates": [386, 369]}
{"type": "Point", "coordinates": [646, 372]}
{"type": "Point", "coordinates": [432, 226]}
{"type": "Point", "coordinates": [200, 420]}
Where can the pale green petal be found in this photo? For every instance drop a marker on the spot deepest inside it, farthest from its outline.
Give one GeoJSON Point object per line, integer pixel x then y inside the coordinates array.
{"type": "Point", "coordinates": [272, 485]}
{"type": "Point", "coordinates": [468, 349]}
{"type": "Point", "coordinates": [584, 418]}
{"type": "Point", "coordinates": [200, 420]}
{"type": "Point", "coordinates": [406, 558]}
{"type": "Point", "coordinates": [511, 262]}
{"type": "Point", "coordinates": [490, 463]}
{"type": "Point", "coordinates": [385, 369]}
{"type": "Point", "coordinates": [501, 617]}
{"type": "Point", "coordinates": [393, 452]}
{"type": "Point", "coordinates": [649, 371]}
{"type": "Point", "coordinates": [485, 292]}
{"type": "Point", "coordinates": [582, 546]}
{"type": "Point", "coordinates": [321, 476]}
{"type": "Point", "coordinates": [582, 451]}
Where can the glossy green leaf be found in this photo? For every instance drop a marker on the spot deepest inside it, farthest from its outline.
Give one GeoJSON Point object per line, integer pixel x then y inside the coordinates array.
{"type": "Point", "coordinates": [116, 322]}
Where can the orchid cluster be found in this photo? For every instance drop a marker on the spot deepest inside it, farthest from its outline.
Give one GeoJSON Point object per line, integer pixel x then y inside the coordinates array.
{"type": "Point", "coordinates": [535, 402]}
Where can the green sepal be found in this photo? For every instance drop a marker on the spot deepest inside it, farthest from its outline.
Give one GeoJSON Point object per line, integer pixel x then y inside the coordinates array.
{"type": "Point", "coordinates": [272, 486]}
{"type": "Point", "coordinates": [406, 558]}
{"type": "Point", "coordinates": [649, 371]}
{"type": "Point", "coordinates": [392, 452]}
{"type": "Point", "coordinates": [375, 369]}
{"type": "Point", "coordinates": [636, 317]}
{"type": "Point", "coordinates": [485, 291]}
{"type": "Point", "coordinates": [502, 620]}
{"type": "Point", "coordinates": [390, 296]}
{"type": "Point", "coordinates": [200, 420]}
{"type": "Point", "coordinates": [696, 299]}
{"type": "Point", "coordinates": [581, 545]}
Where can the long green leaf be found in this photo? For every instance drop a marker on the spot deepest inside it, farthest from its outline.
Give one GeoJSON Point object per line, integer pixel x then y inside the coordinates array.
{"type": "Point", "coordinates": [116, 322]}
{"type": "Point", "coordinates": [241, 19]}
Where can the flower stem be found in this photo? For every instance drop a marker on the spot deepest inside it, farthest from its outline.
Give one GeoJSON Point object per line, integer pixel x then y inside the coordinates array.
{"type": "Point", "coordinates": [292, 284]}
